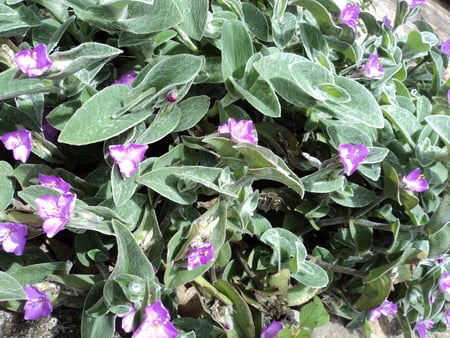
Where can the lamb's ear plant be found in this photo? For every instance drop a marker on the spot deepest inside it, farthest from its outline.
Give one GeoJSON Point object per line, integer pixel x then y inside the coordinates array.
{"type": "Point", "coordinates": [283, 160]}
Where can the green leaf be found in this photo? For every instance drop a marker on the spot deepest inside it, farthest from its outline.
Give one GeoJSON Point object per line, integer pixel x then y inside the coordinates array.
{"type": "Point", "coordinates": [261, 96]}
{"type": "Point", "coordinates": [314, 314]}
{"type": "Point", "coordinates": [11, 87]}
{"type": "Point", "coordinates": [123, 188]}
{"type": "Point", "coordinates": [264, 164]}
{"type": "Point", "coordinates": [322, 16]}
{"type": "Point", "coordinates": [361, 108]}
{"type": "Point", "coordinates": [441, 125]}
{"type": "Point", "coordinates": [275, 70]}
{"type": "Point", "coordinates": [418, 44]}
{"type": "Point", "coordinates": [309, 75]}
{"type": "Point", "coordinates": [236, 49]}
{"type": "Point", "coordinates": [255, 21]}
{"type": "Point", "coordinates": [342, 133]}
{"type": "Point", "coordinates": [311, 275]}
{"type": "Point", "coordinates": [283, 29]}
{"type": "Point", "coordinates": [374, 293]}
{"type": "Point", "coordinates": [81, 57]}
{"type": "Point", "coordinates": [103, 124]}
{"type": "Point", "coordinates": [323, 181]}
{"type": "Point", "coordinates": [16, 21]}
{"type": "Point", "coordinates": [36, 273]}
{"type": "Point", "coordinates": [11, 289]}
{"type": "Point", "coordinates": [165, 181]}
{"type": "Point", "coordinates": [192, 110]}
{"type": "Point", "coordinates": [127, 247]}
{"type": "Point", "coordinates": [145, 18]}
{"type": "Point", "coordinates": [313, 41]}
{"type": "Point", "coordinates": [358, 198]}
{"type": "Point", "coordinates": [440, 218]}
{"type": "Point", "coordinates": [195, 14]}
{"type": "Point", "coordinates": [162, 125]}
{"type": "Point", "coordinates": [440, 242]}
{"type": "Point", "coordinates": [6, 184]}
{"type": "Point", "coordinates": [404, 120]}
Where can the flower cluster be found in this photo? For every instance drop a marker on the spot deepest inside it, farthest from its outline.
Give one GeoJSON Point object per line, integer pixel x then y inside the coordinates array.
{"type": "Point", "coordinates": [13, 237]}
{"type": "Point", "coordinates": [33, 62]}
{"type": "Point", "coordinates": [19, 142]}
{"type": "Point", "coordinates": [242, 131]}
{"type": "Point", "coordinates": [128, 157]}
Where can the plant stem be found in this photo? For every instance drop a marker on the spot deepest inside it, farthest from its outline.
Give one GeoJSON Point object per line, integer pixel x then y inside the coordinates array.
{"type": "Point", "coordinates": [338, 268]}
{"type": "Point", "coordinates": [200, 281]}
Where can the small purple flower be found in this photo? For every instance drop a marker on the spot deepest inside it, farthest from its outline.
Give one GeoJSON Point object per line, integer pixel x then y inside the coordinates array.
{"type": "Point", "coordinates": [272, 330]}
{"type": "Point", "coordinates": [372, 68]}
{"type": "Point", "coordinates": [414, 3]}
{"type": "Point", "coordinates": [200, 255]}
{"type": "Point", "coordinates": [351, 156]}
{"type": "Point", "coordinates": [432, 299]}
{"type": "Point", "coordinates": [55, 211]}
{"type": "Point", "coordinates": [13, 237]}
{"type": "Point", "coordinates": [387, 22]}
{"type": "Point", "coordinates": [19, 142]}
{"type": "Point", "coordinates": [128, 157]}
{"type": "Point", "coordinates": [447, 318]}
{"type": "Point", "coordinates": [34, 62]}
{"type": "Point", "coordinates": [422, 326]}
{"type": "Point", "coordinates": [37, 305]}
{"type": "Point", "coordinates": [448, 96]}
{"type": "Point", "coordinates": [127, 320]}
{"type": "Point", "coordinates": [127, 78]}
{"type": "Point", "coordinates": [387, 308]}
{"type": "Point", "coordinates": [54, 182]}
{"type": "Point", "coordinates": [415, 181]}
{"type": "Point", "coordinates": [445, 48]}
{"type": "Point", "coordinates": [50, 132]}
{"type": "Point", "coordinates": [171, 97]}
{"type": "Point", "coordinates": [349, 15]}
{"type": "Point", "coordinates": [444, 283]}
{"type": "Point", "coordinates": [156, 323]}
{"type": "Point", "coordinates": [241, 131]}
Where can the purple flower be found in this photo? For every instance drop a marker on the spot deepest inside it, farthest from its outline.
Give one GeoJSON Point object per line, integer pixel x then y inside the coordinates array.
{"type": "Point", "coordinates": [54, 182]}
{"type": "Point", "coordinates": [432, 299]}
{"type": "Point", "coordinates": [349, 15]}
{"type": "Point", "coordinates": [19, 142]}
{"type": "Point", "coordinates": [445, 48]}
{"type": "Point", "coordinates": [448, 96]}
{"type": "Point", "coordinates": [447, 318]}
{"type": "Point", "coordinates": [413, 3]}
{"type": "Point", "coordinates": [272, 330]}
{"type": "Point", "coordinates": [171, 97]}
{"type": "Point", "coordinates": [127, 78]}
{"type": "Point", "coordinates": [156, 323]}
{"type": "Point", "coordinates": [34, 62]}
{"type": "Point", "coordinates": [127, 320]}
{"type": "Point", "coordinates": [200, 255]}
{"type": "Point", "coordinates": [372, 68]}
{"type": "Point", "coordinates": [13, 237]}
{"type": "Point", "coordinates": [55, 211]}
{"type": "Point", "coordinates": [241, 131]}
{"type": "Point", "coordinates": [50, 132]}
{"type": "Point", "coordinates": [422, 326]}
{"type": "Point", "coordinates": [387, 22]}
{"type": "Point", "coordinates": [351, 156]}
{"type": "Point", "coordinates": [37, 305]}
{"type": "Point", "coordinates": [128, 157]}
{"type": "Point", "coordinates": [387, 308]}
{"type": "Point", "coordinates": [444, 283]}
{"type": "Point", "coordinates": [415, 181]}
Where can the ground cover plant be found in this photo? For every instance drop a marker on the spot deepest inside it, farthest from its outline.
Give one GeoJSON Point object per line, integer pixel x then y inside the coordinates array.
{"type": "Point", "coordinates": [281, 161]}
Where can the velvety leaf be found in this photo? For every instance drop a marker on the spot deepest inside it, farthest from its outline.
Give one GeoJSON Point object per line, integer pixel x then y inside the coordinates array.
{"type": "Point", "coordinates": [404, 120]}
{"type": "Point", "coordinates": [314, 314]}
{"type": "Point", "coordinates": [103, 124]}
{"type": "Point", "coordinates": [283, 29]}
{"type": "Point", "coordinates": [192, 111]}
{"type": "Point", "coordinates": [195, 14]}
{"type": "Point", "coordinates": [256, 21]}
{"type": "Point", "coordinates": [321, 14]}
{"type": "Point", "coordinates": [323, 181]}
{"type": "Point", "coordinates": [7, 188]}
{"type": "Point", "coordinates": [11, 288]}
{"type": "Point", "coordinates": [36, 273]}
{"type": "Point", "coordinates": [236, 49]}
{"type": "Point", "coordinates": [441, 125]}
{"type": "Point", "coordinates": [360, 197]}
{"type": "Point", "coordinates": [313, 41]}
{"type": "Point", "coordinates": [374, 293]}
{"type": "Point", "coordinates": [440, 218]}
{"type": "Point", "coordinates": [13, 21]}
{"type": "Point", "coordinates": [162, 125]}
